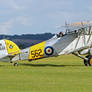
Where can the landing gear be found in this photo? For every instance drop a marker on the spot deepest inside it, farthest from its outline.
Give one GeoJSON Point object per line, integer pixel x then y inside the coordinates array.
{"type": "Point", "coordinates": [88, 62]}
{"type": "Point", "coordinates": [16, 64]}
{"type": "Point", "coordinates": [87, 59]}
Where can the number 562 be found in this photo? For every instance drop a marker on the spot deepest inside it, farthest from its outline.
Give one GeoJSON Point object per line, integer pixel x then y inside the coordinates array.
{"type": "Point", "coordinates": [36, 53]}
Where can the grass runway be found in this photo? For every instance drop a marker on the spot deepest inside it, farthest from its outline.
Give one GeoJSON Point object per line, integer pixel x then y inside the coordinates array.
{"type": "Point", "coordinates": [55, 74]}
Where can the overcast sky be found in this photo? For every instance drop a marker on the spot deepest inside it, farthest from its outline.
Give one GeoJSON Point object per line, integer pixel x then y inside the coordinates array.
{"type": "Point", "coordinates": [40, 16]}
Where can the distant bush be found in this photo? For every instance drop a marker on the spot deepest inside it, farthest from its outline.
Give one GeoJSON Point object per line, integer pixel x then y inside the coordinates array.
{"type": "Point", "coordinates": [26, 40]}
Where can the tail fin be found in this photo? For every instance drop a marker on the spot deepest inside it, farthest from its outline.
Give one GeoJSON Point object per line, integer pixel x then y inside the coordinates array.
{"type": "Point", "coordinates": [12, 48]}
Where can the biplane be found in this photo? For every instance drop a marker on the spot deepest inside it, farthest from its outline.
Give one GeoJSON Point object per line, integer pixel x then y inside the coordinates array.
{"type": "Point", "coordinates": [77, 40]}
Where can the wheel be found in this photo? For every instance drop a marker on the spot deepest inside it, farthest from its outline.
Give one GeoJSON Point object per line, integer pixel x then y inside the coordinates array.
{"type": "Point", "coordinates": [86, 63]}
{"type": "Point", "coordinates": [11, 62]}
{"type": "Point", "coordinates": [90, 61]}
{"type": "Point", "coordinates": [15, 64]}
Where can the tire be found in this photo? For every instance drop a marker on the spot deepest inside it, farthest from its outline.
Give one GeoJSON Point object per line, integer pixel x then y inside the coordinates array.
{"type": "Point", "coordinates": [86, 63]}
{"type": "Point", "coordinates": [90, 61]}
{"type": "Point", "coordinates": [15, 64]}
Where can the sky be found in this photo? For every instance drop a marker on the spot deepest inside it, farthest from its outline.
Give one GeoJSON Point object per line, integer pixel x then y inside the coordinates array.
{"type": "Point", "coordinates": [40, 16]}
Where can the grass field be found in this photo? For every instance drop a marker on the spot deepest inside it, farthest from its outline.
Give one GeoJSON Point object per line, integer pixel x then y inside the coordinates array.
{"type": "Point", "coordinates": [60, 74]}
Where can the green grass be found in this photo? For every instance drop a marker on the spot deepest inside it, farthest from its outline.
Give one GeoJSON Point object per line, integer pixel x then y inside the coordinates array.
{"type": "Point", "coordinates": [55, 74]}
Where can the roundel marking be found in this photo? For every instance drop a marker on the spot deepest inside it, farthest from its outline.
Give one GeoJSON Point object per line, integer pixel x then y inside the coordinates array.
{"type": "Point", "coordinates": [49, 50]}
{"type": "Point", "coordinates": [10, 46]}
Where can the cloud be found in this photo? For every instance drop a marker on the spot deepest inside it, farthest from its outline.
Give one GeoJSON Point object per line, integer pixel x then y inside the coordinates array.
{"type": "Point", "coordinates": [10, 6]}
{"type": "Point", "coordinates": [7, 27]}
{"type": "Point", "coordinates": [24, 20]}
{"type": "Point", "coordinates": [14, 5]}
{"type": "Point", "coordinates": [37, 16]}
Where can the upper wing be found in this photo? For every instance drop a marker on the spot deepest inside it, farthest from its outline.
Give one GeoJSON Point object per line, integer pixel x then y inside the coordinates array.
{"type": "Point", "coordinates": [77, 25]}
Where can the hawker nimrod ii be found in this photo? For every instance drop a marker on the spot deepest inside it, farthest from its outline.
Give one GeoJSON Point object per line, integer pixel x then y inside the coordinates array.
{"type": "Point", "coordinates": [77, 40]}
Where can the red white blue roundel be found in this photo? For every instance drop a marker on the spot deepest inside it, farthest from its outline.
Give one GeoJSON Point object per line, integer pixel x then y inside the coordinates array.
{"type": "Point", "coordinates": [10, 46]}
{"type": "Point", "coordinates": [49, 50]}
